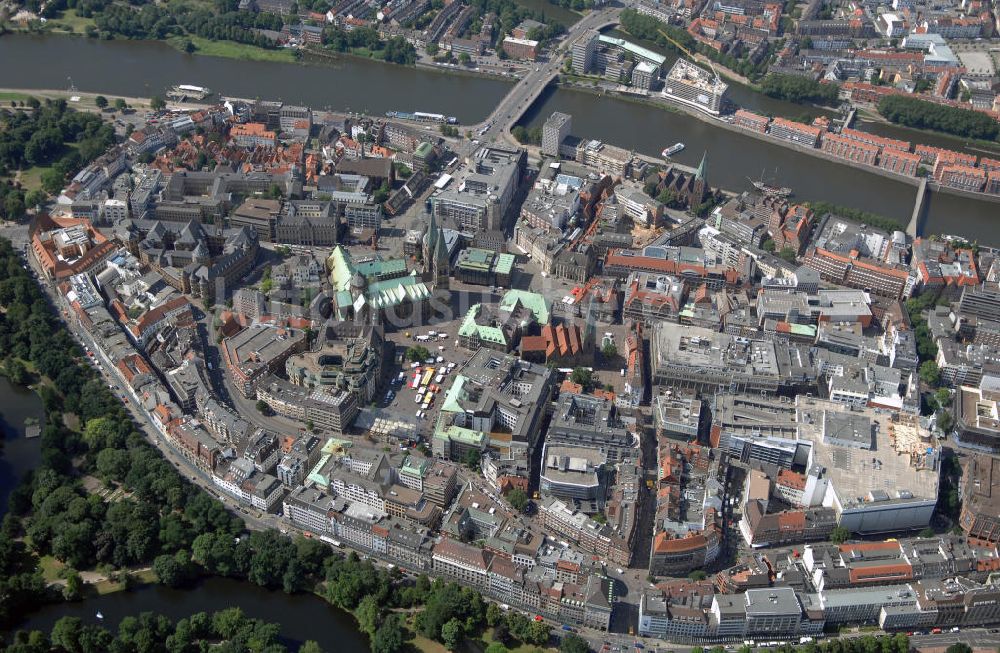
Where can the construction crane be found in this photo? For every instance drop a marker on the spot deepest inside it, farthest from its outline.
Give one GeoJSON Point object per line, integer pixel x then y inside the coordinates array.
{"type": "Point", "coordinates": [689, 54]}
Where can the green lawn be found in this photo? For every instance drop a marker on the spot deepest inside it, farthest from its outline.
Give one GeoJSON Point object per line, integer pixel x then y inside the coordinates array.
{"type": "Point", "coordinates": [50, 568]}
{"type": "Point", "coordinates": [233, 50]}
{"type": "Point", "coordinates": [71, 22]}
{"type": "Point", "coordinates": [18, 97]}
{"type": "Point", "coordinates": [32, 177]}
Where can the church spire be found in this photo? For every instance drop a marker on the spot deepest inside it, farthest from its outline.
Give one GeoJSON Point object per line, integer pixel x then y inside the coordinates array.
{"type": "Point", "coordinates": [702, 170]}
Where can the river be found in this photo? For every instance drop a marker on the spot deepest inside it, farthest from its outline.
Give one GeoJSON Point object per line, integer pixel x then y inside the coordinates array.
{"type": "Point", "coordinates": [301, 616]}
{"type": "Point", "coordinates": [20, 455]}
{"type": "Point", "coordinates": [139, 68]}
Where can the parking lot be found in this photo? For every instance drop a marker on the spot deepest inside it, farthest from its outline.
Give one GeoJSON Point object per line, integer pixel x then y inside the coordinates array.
{"type": "Point", "coordinates": [432, 375]}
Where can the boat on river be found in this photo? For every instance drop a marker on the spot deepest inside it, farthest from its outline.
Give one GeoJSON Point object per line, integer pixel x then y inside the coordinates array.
{"type": "Point", "coordinates": [769, 189]}
{"type": "Point", "coordinates": [672, 150]}
{"type": "Point", "coordinates": [183, 92]}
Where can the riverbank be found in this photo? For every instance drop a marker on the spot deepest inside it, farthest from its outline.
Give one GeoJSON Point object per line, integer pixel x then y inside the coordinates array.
{"type": "Point", "coordinates": [87, 100]}
{"type": "Point", "coordinates": [812, 151]}
{"type": "Point", "coordinates": [872, 116]}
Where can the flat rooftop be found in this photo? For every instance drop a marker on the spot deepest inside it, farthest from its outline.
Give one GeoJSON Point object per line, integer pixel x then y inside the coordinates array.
{"type": "Point", "coordinates": [894, 468]}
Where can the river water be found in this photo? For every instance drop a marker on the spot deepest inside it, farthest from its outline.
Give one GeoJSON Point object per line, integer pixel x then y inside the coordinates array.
{"type": "Point", "coordinates": [301, 616]}
{"type": "Point", "coordinates": [144, 68]}
{"type": "Point", "coordinates": [19, 455]}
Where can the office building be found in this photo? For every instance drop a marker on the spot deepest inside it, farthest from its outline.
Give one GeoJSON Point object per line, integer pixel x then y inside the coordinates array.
{"type": "Point", "coordinates": [555, 130]}
{"type": "Point", "coordinates": [693, 86]}
{"type": "Point", "coordinates": [583, 52]}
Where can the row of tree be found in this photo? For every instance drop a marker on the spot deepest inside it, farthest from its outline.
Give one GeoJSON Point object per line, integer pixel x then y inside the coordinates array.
{"type": "Point", "coordinates": [154, 22]}
{"type": "Point", "coordinates": [395, 50]}
{"type": "Point", "coordinates": [921, 114]}
{"type": "Point", "coordinates": [226, 630]}
{"type": "Point", "coordinates": [796, 88]}
{"type": "Point", "coordinates": [857, 215]}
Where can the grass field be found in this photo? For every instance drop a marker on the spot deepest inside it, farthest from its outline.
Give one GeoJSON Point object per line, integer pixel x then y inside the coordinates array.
{"type": "Point", "coordinates": [32, 177]}
{"type": "Point", "coordinates": [232, 50]}
{"type": "Point", "coordinates": [18, 97]}
{"type": "Point", "coordinates": [71, 22]}
{"type": "Point", "coordinates": [50, 568]}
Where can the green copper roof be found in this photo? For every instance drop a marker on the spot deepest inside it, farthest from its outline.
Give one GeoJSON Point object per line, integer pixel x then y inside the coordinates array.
{"type": "Point", "coordinates": [370, 269]}
{"type": "Point", "coordinates": [505, 264]}
{"type": "Point", "coordinates": [414, 466]}
{"type": "Point", "coordinates": [487, 333]}
{"type": "Point", "coordinates": [459, 434]}
{"type": "Point", "coordinates": [477, 258]}
{"type": "Point", "coordinates": [341, 268]}
{"type": "Point", "coordinates": [451, 399]}
{"type": "Point", "coordinates": [540, 307]}
{"type": "Point", "coordinates": [637, 50]}
{"type": "Point", "coordinates": [392, 292]}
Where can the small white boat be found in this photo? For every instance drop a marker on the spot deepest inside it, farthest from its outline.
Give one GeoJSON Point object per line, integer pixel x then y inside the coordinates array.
{"type": "Point", "coordinates": [672, 150]}
{"type": "Point", "coordinates": [100, 615]}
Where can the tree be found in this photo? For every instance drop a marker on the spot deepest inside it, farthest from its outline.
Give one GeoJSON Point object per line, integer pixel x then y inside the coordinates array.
{"type": "Point", "coordinates": [14, 206]}
{"type": "Point", "coordinates": [73, 591]}
{"type": "Point", "coordinates": [262, 406]}
{"type": "Point", "coordinates": [573, 643]}
{"type": "Point", "coordinates": [452, 634]}
{"type": "Point", "coordinates": [959, 648]}
{"type": "Point", "coordinates": [17, 372]}
{"type": "Point", "coordinates": [464, 58]}
{"type": "Point", "coordinates": [100, 102]}
{"type": "Point", "coordinates": [518, 499]}
{"type": "Point", "coordinates": [921, 114]}
{"type": "Point", "coordinates": [538, 633]}
{"type": "Point", "coordinates": [309, 646]}
{"type": "Point", "coordinates": [945, 421]}
{"type": "Point", "coordinates": [170, 570]}
{"type": "Point", "coordinates": [839, 535]}
{"type": "Point", "coordinates": [584, 377]}
{"type": "Point", "coordinates": [796, 88]}
{"type": "Point", "coordinates": [930, 374]}
{"type": "Point", "coordinates": [52, 180]}
{"type": "Point", "coordinates": [494, 614]}
{"type": "Point", "coordinates": [120, 104]}
{"type": "Point", "coordinates": [189, 46]}
{"type": "Point", "coordinates": [35, 198]}
{"type": "Point", "coordinates": [156, 103]}
{"type": "Point", "coordinates": [788, 254]}
{"type": "Point", "coordinates": [417, 354]}
{"type": "Point", "coordinates": [369, 614]}
{"type": "Point", "coordinates": [768, 245]}
{"type": "Point", "coordinates": [390, 636]}
{"type": "Point", "coordinates": [609, 350]}
{"type": "Point", "coordinates": [472, 459]}
{"type": "Point", "coordinates": [697, 575]}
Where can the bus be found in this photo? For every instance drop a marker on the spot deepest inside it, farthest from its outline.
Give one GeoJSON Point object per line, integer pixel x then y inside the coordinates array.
{"type": "Point", "coordinates": [331, 541]}
{"type": "Point", "coordinates": [416, 381]}
{"type": "Point", "coordinates": [428, 375]}
{"type": "Point", "coordinates": [427, 402]}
